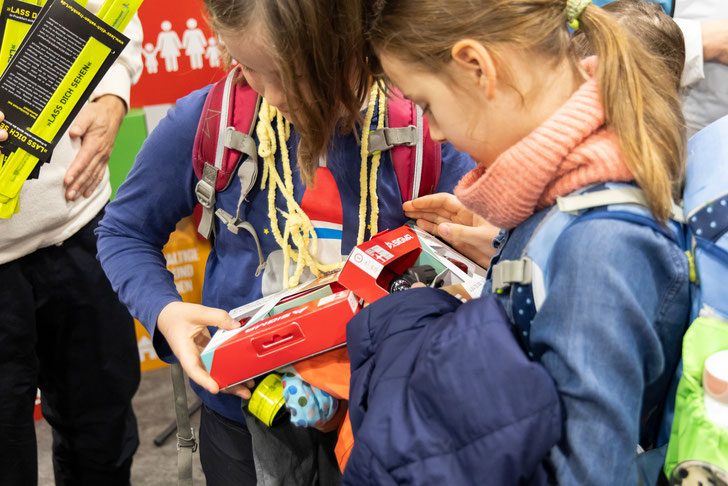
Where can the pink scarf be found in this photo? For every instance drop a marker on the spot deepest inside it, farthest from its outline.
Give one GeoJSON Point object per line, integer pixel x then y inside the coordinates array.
{"type": "Point", "coordinates": [571, 149]}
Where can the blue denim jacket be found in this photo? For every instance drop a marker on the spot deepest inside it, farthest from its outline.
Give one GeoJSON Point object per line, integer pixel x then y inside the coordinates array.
{"type": "Point", "coordinates": [609, 332]}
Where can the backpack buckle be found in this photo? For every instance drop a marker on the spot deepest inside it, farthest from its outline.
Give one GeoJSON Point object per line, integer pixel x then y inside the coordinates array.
{"type": "Point", "coordinates": [386, 138]}
{"type": "Point", "coordinates": [187, 442]}
{"type": "Point", "coordinates": [205, 194]}
{"type": "Point", "coordinates": [507, 272]}
{"type": "Point", "coordinates": [205, 188]}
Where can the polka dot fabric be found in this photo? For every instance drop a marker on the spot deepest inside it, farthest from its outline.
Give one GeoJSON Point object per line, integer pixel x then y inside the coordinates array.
{"type": "Point", "coordinates": [309, 406]}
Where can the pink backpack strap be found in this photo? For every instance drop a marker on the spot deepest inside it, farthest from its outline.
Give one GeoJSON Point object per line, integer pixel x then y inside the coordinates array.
{"type": "Point", "coordinates": [415, 156]}
{"type": "Point", "coordinates": [224, 136]}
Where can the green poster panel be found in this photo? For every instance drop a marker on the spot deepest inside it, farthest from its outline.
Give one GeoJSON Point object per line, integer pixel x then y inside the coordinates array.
{"type": "Point", "coordinates": [129, 140]}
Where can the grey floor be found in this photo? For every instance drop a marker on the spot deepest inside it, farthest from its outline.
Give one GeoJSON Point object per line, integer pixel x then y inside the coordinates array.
{"type": "Point", "coordinates": [153, 466]}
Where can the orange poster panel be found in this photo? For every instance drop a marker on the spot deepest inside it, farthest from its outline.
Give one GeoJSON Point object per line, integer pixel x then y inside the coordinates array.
{"type": "Point", "coordinates": [186, 257]}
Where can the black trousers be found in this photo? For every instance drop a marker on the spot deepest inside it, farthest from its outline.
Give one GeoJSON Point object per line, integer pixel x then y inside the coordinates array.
{"type": "Point", "coordinates": [226, 451]}
{"type": "Point", "coordinates": [63, 330]}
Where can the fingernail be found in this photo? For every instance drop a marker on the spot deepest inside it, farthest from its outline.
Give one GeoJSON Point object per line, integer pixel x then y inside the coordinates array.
{"type": "Point", "coordinates": [70, 180]}
{"type": "Point", "coordinates": [444, 229]}
{"type": "Point", "coordinates": [72, 195]}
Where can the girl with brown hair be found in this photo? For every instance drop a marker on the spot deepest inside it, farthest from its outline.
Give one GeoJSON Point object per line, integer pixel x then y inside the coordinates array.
{"type": "Point", "coordinates": [306, 59]}
{"type": "Point", "coordinates": [501, 80]}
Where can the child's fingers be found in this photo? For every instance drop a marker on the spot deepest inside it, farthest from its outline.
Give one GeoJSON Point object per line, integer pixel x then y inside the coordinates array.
{"type": "Point", "coordinates": [189, 358]}
{"type": "Point", "coordinates": [475, 242]}
{"type": "Point", "coordinates": [430, 216]}
{"type": "Point", "coordinates": [427, 226]}
{"type": "Point", "coordinates": [209, 316]}
{"type": "Point", "coordinates": [434, 202]}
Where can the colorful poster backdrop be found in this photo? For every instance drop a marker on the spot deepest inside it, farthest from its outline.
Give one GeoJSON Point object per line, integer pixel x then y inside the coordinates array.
{"type": "Point", "coordinates": [181, 54]}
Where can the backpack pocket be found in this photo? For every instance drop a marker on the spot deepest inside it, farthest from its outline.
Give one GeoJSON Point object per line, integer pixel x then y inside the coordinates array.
{"type": "Point", "coordinates": [694, 436]}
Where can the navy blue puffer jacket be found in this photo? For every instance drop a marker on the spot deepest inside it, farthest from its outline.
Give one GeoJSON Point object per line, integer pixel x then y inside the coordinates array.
{"type": "Point", "coordinates": [441, 393]}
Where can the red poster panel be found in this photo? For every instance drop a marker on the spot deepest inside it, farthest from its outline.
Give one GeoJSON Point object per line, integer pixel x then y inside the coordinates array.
{"type": "Point", "coordinates": [180, 52]}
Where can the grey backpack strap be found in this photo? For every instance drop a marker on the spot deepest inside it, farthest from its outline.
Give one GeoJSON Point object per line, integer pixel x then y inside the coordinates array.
{"type": "Point", "coordinates": [411, 136]}
{"type": "Point", "coordinates": [186, 442]}
{"type": "Point", "coordinates": [419, 152]}
{"type": "Point", "coordinates": [247, 173]}
{"type": "Point", "coordinates": [619, 195]}
{"type": "Point", "coordinates": [206, 187]}
{"type": "Point", "coordinates": [386, 138]}
{"type": "Point", "coordinates": [205, 192]}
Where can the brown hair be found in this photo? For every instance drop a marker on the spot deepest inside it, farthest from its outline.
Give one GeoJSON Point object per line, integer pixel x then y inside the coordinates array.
{"type": "Point", "coordinates": [650, 25]}
{"type": "Point", "coordinates": [320, 48]}
{"type": "Point", "coordinates": [640, 101]}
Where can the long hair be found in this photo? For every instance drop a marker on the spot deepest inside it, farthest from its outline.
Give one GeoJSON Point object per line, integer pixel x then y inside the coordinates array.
{"type": "Point", "coordinates": [639, 97]}
{"type": "Point", "coordinates": [320, 54]}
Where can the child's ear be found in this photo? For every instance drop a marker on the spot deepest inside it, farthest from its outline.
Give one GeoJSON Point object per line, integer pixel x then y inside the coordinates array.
{"type": "Point", "coordinates": [476, 64]}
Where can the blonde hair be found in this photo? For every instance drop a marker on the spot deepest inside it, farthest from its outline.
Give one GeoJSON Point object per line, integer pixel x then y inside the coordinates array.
{"type": "Point", "coordinates": [656, 30]}
{"type": "Point", "coordinates": [640, 100]}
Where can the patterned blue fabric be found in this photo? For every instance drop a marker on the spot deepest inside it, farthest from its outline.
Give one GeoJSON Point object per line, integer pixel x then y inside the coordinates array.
{"type": "Point", "coordinates": [308, 405]}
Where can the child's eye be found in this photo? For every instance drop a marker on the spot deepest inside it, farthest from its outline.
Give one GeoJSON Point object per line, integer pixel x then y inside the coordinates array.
{"type": "Point", "coordinates": [246, 68]}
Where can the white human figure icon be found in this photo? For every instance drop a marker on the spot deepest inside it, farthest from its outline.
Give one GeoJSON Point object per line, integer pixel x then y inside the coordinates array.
{"type": "Point", "coordinates": [213, 54]}
{"type": "Point", "coordinates": [150, 58]}
{"type": "Point", "coordinates": [194, 43]}
{"type": "Point", "coordinates": [168, 46]}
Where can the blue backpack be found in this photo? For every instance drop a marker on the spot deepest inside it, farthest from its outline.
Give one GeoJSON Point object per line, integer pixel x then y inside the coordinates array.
{"type": "Point", "coordinates": [695, 446]}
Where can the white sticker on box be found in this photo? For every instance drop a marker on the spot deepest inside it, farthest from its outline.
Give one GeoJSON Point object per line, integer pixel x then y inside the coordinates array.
{"type": "Point", "coordinates": [379, 253]}
{"type": "Point", "coordinates": [366, 263]}
{"type": "Point", "coordinates": [353, 302]}
{"type": "Point", "coordinates": [328, 299]}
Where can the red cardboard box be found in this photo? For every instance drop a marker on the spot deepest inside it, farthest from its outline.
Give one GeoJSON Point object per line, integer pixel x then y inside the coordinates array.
{"type": "Point", "coordinates": [311, 319]}
{"type": "Point", "coordinates": [374, 264]}
{"type": "Point", "coordinates": [292, 335]}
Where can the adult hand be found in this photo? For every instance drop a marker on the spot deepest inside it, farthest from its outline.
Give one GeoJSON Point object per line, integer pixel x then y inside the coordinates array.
{"type": "Point", "coordinates": [444, 216]}
{"type": "Point", "coordinates": [184, 326]}
{"type": "Point", "coordinates": [97, 124]}
{"type": "Point", "coordinates": [715, 40]}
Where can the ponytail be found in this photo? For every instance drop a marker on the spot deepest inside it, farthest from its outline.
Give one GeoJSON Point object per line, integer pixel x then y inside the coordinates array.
{"type": "Point", "coordinates": [642, 107]}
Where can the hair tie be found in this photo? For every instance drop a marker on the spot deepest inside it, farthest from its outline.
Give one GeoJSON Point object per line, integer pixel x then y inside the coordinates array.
{"type": "Point", "coordinates": [574, 8]}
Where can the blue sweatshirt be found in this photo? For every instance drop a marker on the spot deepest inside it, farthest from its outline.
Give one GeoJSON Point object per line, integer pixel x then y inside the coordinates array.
{"type": "Point", "coordinates": [159, 191]}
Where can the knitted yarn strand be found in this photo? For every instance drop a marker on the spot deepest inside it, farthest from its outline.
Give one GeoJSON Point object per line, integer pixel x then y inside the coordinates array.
{"type": "Point", "coordinates": [298, 227]}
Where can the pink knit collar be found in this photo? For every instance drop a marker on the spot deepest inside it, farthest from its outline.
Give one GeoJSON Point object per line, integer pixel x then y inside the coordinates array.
{"type": "Point", "coordinates": [571, 149]}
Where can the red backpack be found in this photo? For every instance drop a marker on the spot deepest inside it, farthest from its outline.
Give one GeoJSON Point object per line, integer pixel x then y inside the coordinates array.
{"type": "Point", "coordinates": [225, 136]}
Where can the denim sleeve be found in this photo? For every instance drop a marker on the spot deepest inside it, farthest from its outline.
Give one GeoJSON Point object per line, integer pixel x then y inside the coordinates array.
{"type": "Point", "coordinates": [608, 283]}
{"type": "Point", "coordinates": [158, 192]}
{"type": "Point", "coordinates": [454, 166]}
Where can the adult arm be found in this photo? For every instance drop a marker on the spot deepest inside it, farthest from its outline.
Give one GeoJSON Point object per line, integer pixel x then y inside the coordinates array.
{"type": "Point", "coordinates": [98, 122]}
{"type": "Point", "coordinates": [705, 41]}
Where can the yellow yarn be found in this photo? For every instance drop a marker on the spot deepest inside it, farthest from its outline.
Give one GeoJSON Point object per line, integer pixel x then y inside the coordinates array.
{"type": "Point", "coordinates": [374, 216]}
{"type": "Point", "coordinates": [298, 226]}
